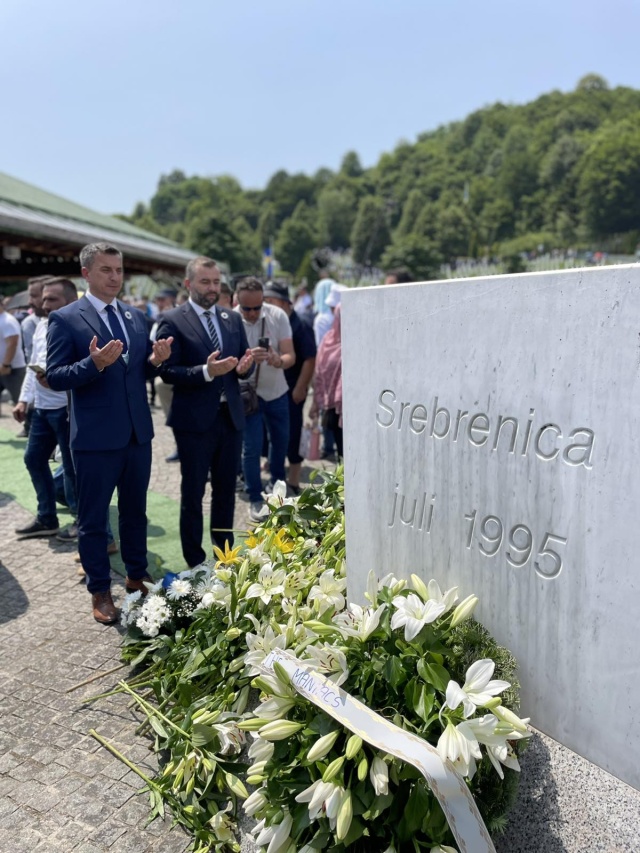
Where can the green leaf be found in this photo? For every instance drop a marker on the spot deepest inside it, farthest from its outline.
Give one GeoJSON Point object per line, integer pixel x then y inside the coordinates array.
{"type": "Point", "coordinates": [393, 672]}
{"type": "Point", "coordinates": [158, 728]}
{"type": "Point", "coordinates": [414, 811]}
{"type": "Point", "coordinates": [202, 734]}
{"type": "Point", "coordinates": [424, 703]}
{"type": "Point", "coordinates": [434, 674]}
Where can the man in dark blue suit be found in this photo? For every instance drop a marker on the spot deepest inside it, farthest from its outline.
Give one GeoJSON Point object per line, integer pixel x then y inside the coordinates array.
{"type": "Point", "coordinates": [99, 350]}
{"type": "Point", "coordinates": [209, 354]}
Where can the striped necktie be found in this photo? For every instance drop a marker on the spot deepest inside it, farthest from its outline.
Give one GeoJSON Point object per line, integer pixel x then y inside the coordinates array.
{"type": "Point", "coordinates": [212, 331]}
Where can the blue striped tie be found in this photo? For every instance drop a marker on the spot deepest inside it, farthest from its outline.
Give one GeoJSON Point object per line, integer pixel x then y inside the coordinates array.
{"type": "Point", "coordinates": [212, 331]}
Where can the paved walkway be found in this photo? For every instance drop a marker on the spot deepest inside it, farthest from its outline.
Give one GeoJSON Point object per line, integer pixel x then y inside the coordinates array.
{"type": "Point", "coordinates": [59, 789]}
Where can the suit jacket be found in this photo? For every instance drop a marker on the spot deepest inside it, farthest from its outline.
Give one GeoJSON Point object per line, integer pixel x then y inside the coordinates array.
{"type": "Point", "coordinates": [108, 406]}
{"type": "Point", "coordinates": [195, 401]}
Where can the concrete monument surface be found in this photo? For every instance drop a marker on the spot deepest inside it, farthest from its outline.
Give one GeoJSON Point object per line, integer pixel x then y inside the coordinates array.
{"type": "Point", "coordinates": [492, 441]}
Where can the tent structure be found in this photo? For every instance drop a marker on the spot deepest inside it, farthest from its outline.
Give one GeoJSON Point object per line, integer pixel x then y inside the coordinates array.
{"type": "Point", "coordinates": [42, 233]}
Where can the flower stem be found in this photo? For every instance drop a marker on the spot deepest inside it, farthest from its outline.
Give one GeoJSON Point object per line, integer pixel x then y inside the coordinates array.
{"type": "Point", "coordinates": [150, 710]}
{"type": "Point", "coordinates": [108, 746]}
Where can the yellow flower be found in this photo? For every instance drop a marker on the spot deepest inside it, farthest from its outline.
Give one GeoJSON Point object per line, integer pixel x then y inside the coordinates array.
{"type": "Point", "coordinates": [252, 540]}
{"type": "Point", "coordinates": [228, 557]}
{"type": "Point", "coordinates": [282, 541]}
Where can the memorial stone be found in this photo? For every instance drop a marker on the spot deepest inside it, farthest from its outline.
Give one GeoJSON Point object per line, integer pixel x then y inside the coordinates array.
{"type": "Point", "coordinates": [492, 441]}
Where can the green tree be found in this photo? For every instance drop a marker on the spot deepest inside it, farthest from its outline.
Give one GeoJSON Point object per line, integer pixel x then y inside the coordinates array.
{"type": "Point", "coordinates": [351, 165]}
{"type": "Point", "coordinates": [416, 254]}
{"type": "Point", "coordinates": [370, 232]}
{"type": "Point", "coordinates": [336, 215]}
{"type": "Point", "coordinates": [232, 243]}
{"type": "Point", "coordinates": [610, 178]}
{"type": "Point", "coordinates": [294, 240]}
{"type": "Point", "coordinates": [410, 213]}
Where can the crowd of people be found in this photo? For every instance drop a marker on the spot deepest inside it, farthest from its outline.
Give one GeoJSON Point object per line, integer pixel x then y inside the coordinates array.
{"type": "Point", "coordinates": [232, 367]}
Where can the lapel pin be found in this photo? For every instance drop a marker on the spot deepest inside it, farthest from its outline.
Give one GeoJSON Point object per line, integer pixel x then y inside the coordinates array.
{"type": "Point", "coordinates": [224, 315]}
{"type": "Point", "coordinates": [127, 314]}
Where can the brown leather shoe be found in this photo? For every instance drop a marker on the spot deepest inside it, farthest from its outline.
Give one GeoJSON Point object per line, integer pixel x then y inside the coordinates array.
{"type": "Point", "coordinates": [104, 610]}
{"type": "Point", "coordinates": [133, 585]}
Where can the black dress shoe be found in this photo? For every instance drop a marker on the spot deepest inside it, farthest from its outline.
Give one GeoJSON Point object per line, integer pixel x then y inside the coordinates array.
{"type": "Point", "coordinates": [36, 529]}
{"type": "Point", "coordinates": [173, 457]}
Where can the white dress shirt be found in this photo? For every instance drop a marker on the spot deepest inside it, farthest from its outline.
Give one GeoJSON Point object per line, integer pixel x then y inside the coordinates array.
{"type": "Point", "coordinates": [216, 325]}
{"type": "Point", "coordinates": [101, 308]}
{"type": "Point", "coordinates": [32, 391]}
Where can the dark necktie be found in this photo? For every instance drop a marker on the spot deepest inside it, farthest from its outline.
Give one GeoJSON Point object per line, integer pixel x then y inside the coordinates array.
{"type": "Point", "coordinates": [116, 328]}
{"type": "Point", "coordinates": [212, 332]}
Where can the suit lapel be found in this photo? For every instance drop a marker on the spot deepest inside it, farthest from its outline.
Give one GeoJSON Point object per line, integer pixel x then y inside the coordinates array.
{"type": "Point", "coordinates": [196, 324]}
{"type": "Point", "coordinates": [92, 318]}
{"type": "Point", "coordinates": [223, 323]}
{"type": "Point", "coordinates": [131, 330]}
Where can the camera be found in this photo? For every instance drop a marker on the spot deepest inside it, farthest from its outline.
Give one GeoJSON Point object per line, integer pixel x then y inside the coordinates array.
{"type": "Point", "coordinates": [263, 343]}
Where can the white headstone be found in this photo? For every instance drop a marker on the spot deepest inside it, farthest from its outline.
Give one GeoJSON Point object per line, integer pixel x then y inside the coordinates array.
{"type": "Point", "coordinates": [492, 441]}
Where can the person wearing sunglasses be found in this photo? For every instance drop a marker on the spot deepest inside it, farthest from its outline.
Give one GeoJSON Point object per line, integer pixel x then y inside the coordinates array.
{"type": "Point", "coordinates": [269, 334]}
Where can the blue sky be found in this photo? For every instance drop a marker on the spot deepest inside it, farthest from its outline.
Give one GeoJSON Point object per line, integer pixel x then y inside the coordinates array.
{"type": "Point", "coordinates": [99, 99]}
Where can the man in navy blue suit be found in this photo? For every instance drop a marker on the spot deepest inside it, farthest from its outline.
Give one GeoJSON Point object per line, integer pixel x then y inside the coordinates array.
{"type": "Point", "coordinates": [99, 349]}
{"type": "Point", "coordinates": [209, 354]}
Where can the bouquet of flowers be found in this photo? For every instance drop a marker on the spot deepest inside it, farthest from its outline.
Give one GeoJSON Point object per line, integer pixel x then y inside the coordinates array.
{"type": "Point", "coordinates": [412, 653]}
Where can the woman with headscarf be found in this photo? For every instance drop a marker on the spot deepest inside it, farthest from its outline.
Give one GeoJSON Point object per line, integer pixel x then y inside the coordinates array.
{"type": "Point", "coordinates": [327, 384]}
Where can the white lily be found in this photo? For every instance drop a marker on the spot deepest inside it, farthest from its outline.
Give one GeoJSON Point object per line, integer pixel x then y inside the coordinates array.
{"type": "Point", "coordinates": [459, 745]}
{"type": "Point", "coordinates": [222, 827]}
{"type": "Point", "coordinates": [496, 736]}
{"type": "Point", "coordinates": [478, 688]}
{"type": "Point", "coordinates": [278, 496]}
{"type": "Point", "coordinates": [318, 795]}
{"type": "Point", "coordinates": [322, 746]}
{"type": "Point", "coordinates": [330, 660]}
{"type": "Point", "coordinates": [379, 775]}
{"type": "Point", "coordinates": [274, 838]}
{"type": "Point", "coordinates": [255, 802]}
{"type": "Point", "coordinates": [464, 610]}
{"type": "Point", "coordinates": [269, 583]}
{"type": "Point", "coordinates": [328, 592]}
{"type": "Point", "coordinates": [448, 598]}
{"type": "Point", "coordinates": [260, 749]}
{"type": "Point", "coordinates": [413, 614]}
{"type": "Point", "coordinates": [260, 646]}
{"type": "Point", "coordinates": [359, 622]}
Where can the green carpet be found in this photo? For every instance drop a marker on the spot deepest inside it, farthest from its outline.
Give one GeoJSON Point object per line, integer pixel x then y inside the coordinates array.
{"type": "Point", "coordinates": [163, 540]}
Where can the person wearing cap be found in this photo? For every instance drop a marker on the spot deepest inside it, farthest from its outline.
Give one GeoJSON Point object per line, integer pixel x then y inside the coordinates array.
{"type": "Point", "coordinates": [298, 376]}
{"type": "Point", "coordinates": [324, 321]}
{"type": "Point", "coordinates": [272, 357]}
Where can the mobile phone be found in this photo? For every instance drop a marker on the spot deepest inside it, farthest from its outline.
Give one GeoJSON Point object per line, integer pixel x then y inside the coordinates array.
{"type": "Point", "coordinates": [38, 369]}
{"type": "Point", "coordinates": [263, 343]}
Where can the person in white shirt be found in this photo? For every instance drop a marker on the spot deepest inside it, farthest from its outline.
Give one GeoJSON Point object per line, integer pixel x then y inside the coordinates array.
{"type": "Point", "coordinates": [49, 424]}
{"type": "Point", "coordinates": [273, 356]}
{"type": "Point", "coordinates": [12, 360]}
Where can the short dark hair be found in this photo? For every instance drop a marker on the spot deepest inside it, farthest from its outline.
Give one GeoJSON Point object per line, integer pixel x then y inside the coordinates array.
{"type": "Point", "coordinates": [89, 252]}
{"type": "Point", "coordinates": [249, 282]}
{"type": "Point", "coordinates": [194, 263]}
{"type": "Point", "coordinates": [69, 290]}
{"type": "Point", "coordinates": [401, 275]}
{"type": "Point", "coordinates": [225, 287]}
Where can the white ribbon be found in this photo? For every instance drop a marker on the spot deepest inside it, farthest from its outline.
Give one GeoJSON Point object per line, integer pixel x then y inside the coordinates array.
{"type": "Point", "coordinates": [448, 786]}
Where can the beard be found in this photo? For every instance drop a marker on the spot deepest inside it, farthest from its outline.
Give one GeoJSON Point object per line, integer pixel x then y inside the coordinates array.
{"type": "Point", "coordinates": [205, 302]}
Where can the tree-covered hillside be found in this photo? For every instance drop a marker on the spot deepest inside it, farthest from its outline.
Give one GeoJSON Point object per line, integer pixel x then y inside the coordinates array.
{"type": "Point", "coordinates": [563, 170]}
